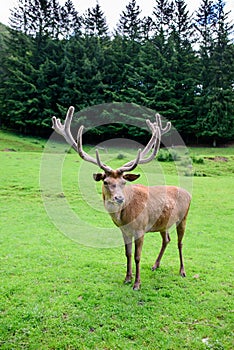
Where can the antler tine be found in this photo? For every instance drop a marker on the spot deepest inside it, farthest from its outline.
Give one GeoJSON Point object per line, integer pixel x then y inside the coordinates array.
{"type": "Point", "coordinates": [159, 124]}
{"type": "Point", "coordinates": [155, 140]}
{"type": "Point", "coordinates": [64, 130]}
{"type": "Point", "coordinates": [155, 148]}
{"type": "Point", "coordinates": [154, 143]}
{"type": "Point", "coordinates": [80, 150]}
{"type": "Point", "coordinates": [101, 165]}
{"type": "Point", "coordinates": [151, 142]}
{"type": "Point", "coordinates": [130, 165]}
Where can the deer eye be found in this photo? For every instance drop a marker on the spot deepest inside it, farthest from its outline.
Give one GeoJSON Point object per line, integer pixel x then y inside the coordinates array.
{"type": "Point", "coordinates": [105, 183]}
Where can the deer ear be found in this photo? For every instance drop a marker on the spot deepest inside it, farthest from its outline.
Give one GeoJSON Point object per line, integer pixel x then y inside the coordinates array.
{"type": "Point", "coordinates": [99, 177]}
{"type": "Point", "coordinates": [131, 177]}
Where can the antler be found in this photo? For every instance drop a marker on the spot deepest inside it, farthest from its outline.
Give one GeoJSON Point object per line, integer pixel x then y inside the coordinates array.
{"type": "Point", "coordinates": [64, 130]}
{"type": "Point", "coordinates": [153, 144]}
{"type": "Point", "coordinates": [87, 157]}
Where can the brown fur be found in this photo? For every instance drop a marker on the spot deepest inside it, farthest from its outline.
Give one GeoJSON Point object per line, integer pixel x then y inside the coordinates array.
{"type": "Point", "coordinates": [137, 209]}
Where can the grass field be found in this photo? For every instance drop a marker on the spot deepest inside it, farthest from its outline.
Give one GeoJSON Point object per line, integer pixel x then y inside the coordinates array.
{"type": "Point", "coordinates": [58, 294]}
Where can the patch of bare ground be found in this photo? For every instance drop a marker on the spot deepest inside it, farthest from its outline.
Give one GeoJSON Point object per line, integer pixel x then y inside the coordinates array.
{"type": "Point", "coordinates": [217, 159]}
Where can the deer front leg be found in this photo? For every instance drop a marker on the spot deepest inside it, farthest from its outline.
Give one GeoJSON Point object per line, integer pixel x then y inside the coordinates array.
{"type": "Point", "coordinates": [128, 253]}
{"type": "Point", "coordinates": [165, 240]}
{"type": "Point", "coordinates": [138, 249]}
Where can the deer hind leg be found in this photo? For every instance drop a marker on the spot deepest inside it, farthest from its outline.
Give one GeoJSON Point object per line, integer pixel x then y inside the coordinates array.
{"type": "Point", "coordinates": [165, 240]}
{"type": "Point", "coordinates": [180, 233]}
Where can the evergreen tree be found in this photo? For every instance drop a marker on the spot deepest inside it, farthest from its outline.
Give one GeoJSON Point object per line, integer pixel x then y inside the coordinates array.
{"type": "Point", "coordinates": [36, 17]}
{"type": "Point", "coordinates": [130, 25]}
{"type": "Point", "coordinates": [92, 72]}
{"type": "Point", "coordinates": [31, 84]}
{"type": "Point", "coordinates": [116, 56]}
{"type": "Point", "coordinates": [215, 100]}
{"type": "Point", "coordinates": [49, 83]}
{"type": "Point", "coordinates": [153, 72]}
{"type": "Point", "coordinates": [182, 66]}
{"type": "Point", "coordinates": [18, 89]}
{"type": "Point", "coordinates": [163, 13]}
{"type": "Point", "coordinates": [147, 26]}
{"type": "Point", "coordinates": [70, 22]}
{"type": "Point", "coordinates": [72, 62]}
{"type": "Point", "coordinates": [204, 24]}
{"type": "Point", "coordinates": [128, 36]}
{"type": "Point", "coordinates": [4, 33]}
{"type": "Point", "coordinates": [19, 17]}
{"type": "Point", "coordinates": [182, 22]}
{"type": "Point", "coordinates": [222, 54]}
{"type": "Point", "coordinates": [95, 22]}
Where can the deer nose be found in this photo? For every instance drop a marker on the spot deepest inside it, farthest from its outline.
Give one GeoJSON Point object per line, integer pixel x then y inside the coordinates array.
{"type": "Point", "coordinates": [119, 199]}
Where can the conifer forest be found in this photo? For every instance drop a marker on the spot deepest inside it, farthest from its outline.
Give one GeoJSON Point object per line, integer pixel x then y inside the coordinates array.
{"type": "Point", "coordinates": [174, 63]}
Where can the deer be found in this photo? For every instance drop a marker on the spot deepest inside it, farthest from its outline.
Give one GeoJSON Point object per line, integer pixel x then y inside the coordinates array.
{"type": "Point", "coordinates": [134, 208]}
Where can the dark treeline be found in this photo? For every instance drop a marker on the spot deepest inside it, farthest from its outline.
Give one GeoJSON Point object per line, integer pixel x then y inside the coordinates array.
{"type": "Point", "coordinates": [178, 65]}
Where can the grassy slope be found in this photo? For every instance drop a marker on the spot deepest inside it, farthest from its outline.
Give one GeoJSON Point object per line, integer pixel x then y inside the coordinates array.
{"type": "Point", "coordinates": [56, 294]}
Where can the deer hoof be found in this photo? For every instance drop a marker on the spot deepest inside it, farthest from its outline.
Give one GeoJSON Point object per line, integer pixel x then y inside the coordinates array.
{"type": "Point", "coordinates": [154, 267]}
{"type": "Point", "coordinates": [182, 273]}
{"type": "Point", "coordinates": [136, 286]}
{"type": "Point", "coordinates": [128, 280]}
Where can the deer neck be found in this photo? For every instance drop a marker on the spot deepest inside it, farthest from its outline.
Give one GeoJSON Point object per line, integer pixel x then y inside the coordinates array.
{"type": "Point", "coordinates": [114, 209]}
{"type": "Point", "coordinates": [119, 213]}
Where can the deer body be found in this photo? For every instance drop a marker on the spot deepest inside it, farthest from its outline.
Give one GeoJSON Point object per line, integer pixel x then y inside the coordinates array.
{"type": "Point", "coordinates": [137, 209]}
{"type": "Point", "coordinates": [151, 209]}
{"type": "Point", "coordinates": [146, 209]}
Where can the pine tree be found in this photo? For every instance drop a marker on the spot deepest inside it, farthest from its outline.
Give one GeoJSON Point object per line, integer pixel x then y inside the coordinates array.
{"type": "Point", "coordinates": [36, 17]}
{"type": "Point", "coordinates": [70, 22]}
{"type": "Point", "coordinates": [130, 25]}
{"type": "Point", "coordinates": [147, 27]}
{"type": "Point", "coordinates": [128, 36]}
{"type": "Point", "coordinates": [49, 83]}
{"type": "Point", "coordinates": [182, 66]}
{"type": "Point", "coordinates": [163, 13]}
{"type": "Point", "coordinates": [72, 62]}
{"type": "Point", "coordinates": [222, 54]}
{"type": "Point", "coordinates": [153, 70]}
{"type": "Point", "coordinates": [182, 22]}
{"type": "Point", "coordinates": [18, 89]}
{"type": "Point", "coordinates": [95, 22]}
{"type": "Point", "coordinates": [20, 18]}
{"type": "Point", "coordinates": [204, 23]}
{"type": "Point", "coordinates": [32, 79]}
{"type": "Point", "coordinates": [215, 100]}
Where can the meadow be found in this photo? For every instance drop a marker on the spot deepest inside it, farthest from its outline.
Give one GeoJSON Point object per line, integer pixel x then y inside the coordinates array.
{"type": "Point", "coordinates": [57, 293]}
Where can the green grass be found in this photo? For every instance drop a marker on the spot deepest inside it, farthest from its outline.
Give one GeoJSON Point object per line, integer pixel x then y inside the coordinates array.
{"type": "Point", "coordinates": [57, 294]}
{"type": "Point", "coordinates": [13, 142]}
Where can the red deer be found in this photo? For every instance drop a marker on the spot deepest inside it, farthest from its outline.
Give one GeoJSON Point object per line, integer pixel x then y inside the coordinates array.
{"type": "Point", "coordinates": [136, 209]}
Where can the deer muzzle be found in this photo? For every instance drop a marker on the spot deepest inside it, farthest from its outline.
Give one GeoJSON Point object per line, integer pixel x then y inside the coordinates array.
{"type": "Point", "coordinates": [119, 199]}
